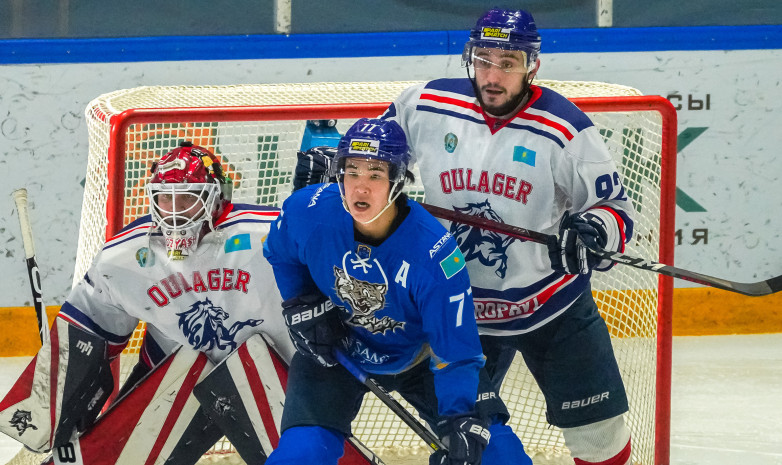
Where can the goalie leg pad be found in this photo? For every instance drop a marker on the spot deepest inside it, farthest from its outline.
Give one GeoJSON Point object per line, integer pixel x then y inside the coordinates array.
{"type": "Point", "coordinates": [157, 420]}
{"type": "Point", "coordinates": [64, 387]}
{"type": "Point", "coordinates": [199, 436]}
{"type": "Point", "coordinates": [244, 395]}
{"type": "Point", "coordinates": [605, 442]}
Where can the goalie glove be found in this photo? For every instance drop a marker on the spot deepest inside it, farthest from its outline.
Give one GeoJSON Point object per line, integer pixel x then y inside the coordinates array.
{"type": "Point", "coordinates": [465, 437]}
{"type": "Point", "coordinates": [314, 326]}
{"type": "Point", "coordinates": [569, 250]}
{"type": "Point", "coordinates": [312, 166]}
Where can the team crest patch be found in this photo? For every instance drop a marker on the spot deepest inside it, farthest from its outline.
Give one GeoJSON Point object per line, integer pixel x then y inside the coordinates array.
{"type": "Point", "coordinates": [488, 247]}
{"type": "Point", "coordinates": [453, 263]}
{"type": "Point", "coordinates": [145, 257]}
{"type": "Point", "coordinates": [21, 420]}
{"type": "Point", "coordinates": [365, 298]}
{"type": "Point", "coordinates": [204, 326]}
{"type": "Point", "coordinates": [451, 141]}
{"type": "Point", "coordinates": [524, 155]}
{"type": "Point", "coordinates": [363, 251]}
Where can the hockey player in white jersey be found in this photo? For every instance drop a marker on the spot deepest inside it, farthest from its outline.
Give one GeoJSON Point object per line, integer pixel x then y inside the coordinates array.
{"type": "Point", "coordinates": [495, 145]}
{"type": "Point", "coordinates": [193, 270]}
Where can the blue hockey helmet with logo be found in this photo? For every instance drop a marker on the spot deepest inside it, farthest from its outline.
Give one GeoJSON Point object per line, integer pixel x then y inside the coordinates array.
{"type": "Point", "coordinates": [506, 30]}
{"type": "Point", "coordinates": [375, 139]}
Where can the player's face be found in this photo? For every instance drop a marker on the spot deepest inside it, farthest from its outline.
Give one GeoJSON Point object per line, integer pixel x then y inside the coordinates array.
{"type": "Point", "coordinates": [499, 76]}
{"type": "Point", "coordinates": [367, 185]}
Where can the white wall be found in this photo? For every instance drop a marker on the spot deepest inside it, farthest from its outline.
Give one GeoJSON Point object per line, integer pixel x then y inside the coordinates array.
{"type": "Point", "coordinates": [731, 169]}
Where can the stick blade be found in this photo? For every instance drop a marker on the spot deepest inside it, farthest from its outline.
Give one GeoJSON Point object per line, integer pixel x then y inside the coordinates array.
{"type": "Point", "coordinates": [20, 198]}
{"type": "Point", "coordinates": [775, 284]}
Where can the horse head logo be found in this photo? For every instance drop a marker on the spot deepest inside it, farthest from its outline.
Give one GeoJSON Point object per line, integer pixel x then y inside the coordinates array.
{"type": "Point", "coordinates": [203, 324]}
{"type": "Point", "coordinates": [488, 247]}
{"type": "Point", "coordinates": [21, 421]}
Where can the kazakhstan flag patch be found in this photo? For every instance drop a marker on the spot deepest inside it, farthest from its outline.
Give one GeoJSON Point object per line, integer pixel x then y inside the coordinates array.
{"type": "Point", "coordinates": [453, 263]}
{"type": "Point", "coordinates": [524, 155]}
{"type": "Point", "coordinates": [237, 243]}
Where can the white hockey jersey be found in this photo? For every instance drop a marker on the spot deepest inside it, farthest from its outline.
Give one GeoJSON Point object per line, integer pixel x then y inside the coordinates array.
{"type": "Point", "coordinates": [527, 171]}
{"type": "Point", "coordinates": [212, 301]}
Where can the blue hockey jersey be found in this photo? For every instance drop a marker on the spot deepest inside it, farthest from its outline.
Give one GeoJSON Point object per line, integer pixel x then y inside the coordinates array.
{"type": "Point", "coordinates": [407, 299]}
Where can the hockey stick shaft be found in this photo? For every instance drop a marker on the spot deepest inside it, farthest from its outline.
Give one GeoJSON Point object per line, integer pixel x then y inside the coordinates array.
{"type": "Point", "coordinates": [760, 288]}
{"type": "Point", "coordinates": [20, 198]}
{"type": "Point", "coordinates": [422, 431]}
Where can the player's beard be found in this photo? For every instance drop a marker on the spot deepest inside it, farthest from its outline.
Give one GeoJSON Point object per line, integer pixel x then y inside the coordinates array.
{"type": "Point", "coordinates": [505, 109]}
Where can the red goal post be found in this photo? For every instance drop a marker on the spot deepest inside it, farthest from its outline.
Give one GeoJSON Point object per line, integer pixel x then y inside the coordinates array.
{"type": "Point", "coordinates": [640, 131]}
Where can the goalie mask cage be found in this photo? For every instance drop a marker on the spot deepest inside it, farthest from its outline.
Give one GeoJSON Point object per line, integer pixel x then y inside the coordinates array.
{"type": "Point", "coordinates": [256, 130]}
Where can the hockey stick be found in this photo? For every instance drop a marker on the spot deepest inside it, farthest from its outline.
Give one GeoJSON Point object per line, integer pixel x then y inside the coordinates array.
{"type": "Point", "coordinates": [422, 431]}
{"type": "Point", "coordinates": [759, 288]}
{"type": "Point", "coordinates": [20, 197]}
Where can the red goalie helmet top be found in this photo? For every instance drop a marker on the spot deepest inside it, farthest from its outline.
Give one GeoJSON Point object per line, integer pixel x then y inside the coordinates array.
{"type": "Point", "coordinates": [189, 164]}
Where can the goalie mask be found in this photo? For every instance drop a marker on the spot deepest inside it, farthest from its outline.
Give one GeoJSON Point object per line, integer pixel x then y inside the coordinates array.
{"type": "Point", "coordinates": [374, 140]}
{"type": "Point", "coordinates": [186, 193]}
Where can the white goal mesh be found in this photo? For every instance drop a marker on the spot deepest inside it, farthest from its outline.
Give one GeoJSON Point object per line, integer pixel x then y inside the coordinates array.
{"type": "Point", "coordinates": [256, 129]}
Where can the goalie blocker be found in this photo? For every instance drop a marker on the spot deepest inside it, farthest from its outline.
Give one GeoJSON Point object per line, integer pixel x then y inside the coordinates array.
{"type": "Point", "coordinates": [62, 389]}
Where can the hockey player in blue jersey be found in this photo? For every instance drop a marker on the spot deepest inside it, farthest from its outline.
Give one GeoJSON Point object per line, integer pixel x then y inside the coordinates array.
{"type": "Point", "coordinates": [402, 306]}
{"type": "Point", "coordinates": [495, 145]}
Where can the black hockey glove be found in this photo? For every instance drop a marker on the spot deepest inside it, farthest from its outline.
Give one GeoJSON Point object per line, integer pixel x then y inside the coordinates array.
{"type": "Point", "coordinates": [314, 326]}
{"type": "Point", "coordinates": [465, 437]}
{"type": "Point", "coordinates": [312, 166]}
{"type": "Point", "coordinates": [568, 250]}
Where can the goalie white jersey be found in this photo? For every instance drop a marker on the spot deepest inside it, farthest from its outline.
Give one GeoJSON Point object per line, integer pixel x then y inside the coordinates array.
{"type": "Point", "coordinates": [525, 171]}
{"type": "Point", "coordinates": [212, 301]}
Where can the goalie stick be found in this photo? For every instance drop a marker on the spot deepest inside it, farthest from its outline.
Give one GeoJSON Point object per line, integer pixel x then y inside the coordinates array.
{"type": "Point", "coordinates": [20, 197]}
{"type": "Point", "coordinates": [422, 431]}
{"type": "Point", "coordinates": [759, 288]}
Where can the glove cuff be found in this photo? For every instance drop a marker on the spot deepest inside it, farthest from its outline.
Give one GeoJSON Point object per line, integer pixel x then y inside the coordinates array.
{"type": "Point", "coordinates": [605, 221]}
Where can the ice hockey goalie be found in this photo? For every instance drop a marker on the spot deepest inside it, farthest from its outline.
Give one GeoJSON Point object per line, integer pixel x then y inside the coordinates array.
{"type": "Point", "coordinates": [213, 358]}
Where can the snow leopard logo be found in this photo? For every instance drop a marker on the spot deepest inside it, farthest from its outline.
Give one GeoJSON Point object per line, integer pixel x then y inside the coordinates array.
{"type": "Point", "coordinates": [365, 299]}
{"type": "Point", "coordinates": [21, 421]}
{"type": "Point", "coordinates": [489, 247]}
{"type": "Point", "coordinates": [203, 326]}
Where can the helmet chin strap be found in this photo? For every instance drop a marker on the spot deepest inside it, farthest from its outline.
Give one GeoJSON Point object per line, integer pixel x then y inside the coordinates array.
{"type": "Point", "coordinates": [390, 202]}
{"type": "Point", "coordinates": [391, 199]}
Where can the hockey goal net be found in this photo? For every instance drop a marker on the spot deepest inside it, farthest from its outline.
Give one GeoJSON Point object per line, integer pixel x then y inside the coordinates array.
{"type": "Point", "coordinates": [256, 130]}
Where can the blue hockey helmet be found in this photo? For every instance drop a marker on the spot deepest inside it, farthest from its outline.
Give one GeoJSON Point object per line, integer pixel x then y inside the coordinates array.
{"type": "Point", "coordinates": [506, 30]}
{"type": "Point", "coordinates": [375, 139]}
